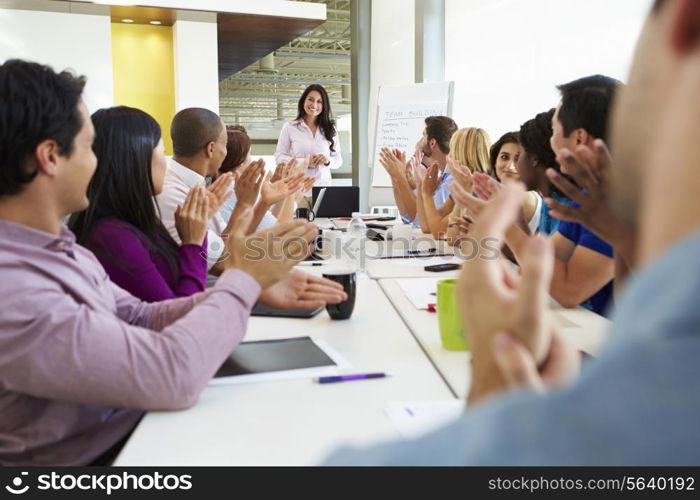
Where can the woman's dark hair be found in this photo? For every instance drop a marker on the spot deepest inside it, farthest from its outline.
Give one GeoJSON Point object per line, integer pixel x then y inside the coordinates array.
{"type": "Point", "coordinates": [507, 138]}
{"type": "Point", "coordinates": [237, 148]}
{"type": "Point", "coordinates": [122, 186]}
{"type": "Point", "coordinates": [36, 104]}
{"type": "Point", "coordinates": [325, 119]}
{"type": "Point", "coordinates": [534, 138]}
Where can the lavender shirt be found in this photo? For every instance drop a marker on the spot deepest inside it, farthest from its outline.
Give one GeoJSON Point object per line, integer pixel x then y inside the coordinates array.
{"type": "Point", "coordinates": [140, 270]}
{"type": "Point", "coordinates": [81, 359]}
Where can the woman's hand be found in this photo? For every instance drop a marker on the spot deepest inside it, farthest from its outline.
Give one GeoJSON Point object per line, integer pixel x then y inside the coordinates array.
{"type": "Point", "coordinates": [318, 160]}
{"type": "Point", "coordinates": [192, 217]}
{"type": "Point", "coordinates": [461, 174]}
{"type": "Point", "coordinates": [485, 186]}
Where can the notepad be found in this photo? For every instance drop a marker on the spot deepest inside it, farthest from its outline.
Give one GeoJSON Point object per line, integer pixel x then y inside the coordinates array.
{"type": "Point", "coordinates": [420, 291]}
{"type": "Point", "coordinates": [279, 359]}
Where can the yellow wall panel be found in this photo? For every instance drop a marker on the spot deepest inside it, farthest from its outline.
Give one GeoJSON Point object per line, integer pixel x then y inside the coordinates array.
{"type": "Point", "coordinates": [144, 76]}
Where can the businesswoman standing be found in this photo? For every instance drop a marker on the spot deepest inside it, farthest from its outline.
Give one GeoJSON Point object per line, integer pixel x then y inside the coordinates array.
{"type": "Point", "coordinates": [312, 137]}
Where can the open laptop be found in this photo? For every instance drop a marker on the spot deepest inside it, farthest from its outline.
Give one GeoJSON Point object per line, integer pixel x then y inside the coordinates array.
{"type": "Point", "coordinates": [337, 201]}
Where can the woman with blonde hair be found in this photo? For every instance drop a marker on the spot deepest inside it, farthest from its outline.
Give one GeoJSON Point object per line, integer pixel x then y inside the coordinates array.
{"type": "Point", "coordinates": [469, 153]}
{"type": "Point", "coordinates": [470, 147]}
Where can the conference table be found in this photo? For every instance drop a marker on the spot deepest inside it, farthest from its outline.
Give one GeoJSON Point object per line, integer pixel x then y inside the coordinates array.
{"type": "Point", "coordinates": [585, 329]}
{"type": "Point", "coordinates": [296, 421]}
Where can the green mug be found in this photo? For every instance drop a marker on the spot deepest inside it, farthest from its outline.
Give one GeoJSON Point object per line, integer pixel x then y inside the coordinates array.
{"type": "Point", "coordinates": [449, 317]}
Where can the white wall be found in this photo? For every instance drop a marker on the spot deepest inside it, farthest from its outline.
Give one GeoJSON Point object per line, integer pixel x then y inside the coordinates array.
{"type": "Point", "coordinates": [507, 56]}
{"type": "Point", "coordinates": [196, 58]}
{"type": "Point", "coordinates": [62, 40]}
{"type": "Point", "coordinates": [392, 62]}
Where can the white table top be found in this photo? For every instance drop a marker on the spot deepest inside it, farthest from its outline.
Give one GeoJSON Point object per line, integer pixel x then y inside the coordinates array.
{"type": "Point", "coordinates": [584, 327]}
{"type": "Point", "coordinates": [379, 268]}
{"type": "Point", "coordinates": [298, 422]}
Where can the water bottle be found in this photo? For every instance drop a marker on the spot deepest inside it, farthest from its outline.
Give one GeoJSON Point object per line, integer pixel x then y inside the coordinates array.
{"type": "Point", "coordinates": [357, 235]}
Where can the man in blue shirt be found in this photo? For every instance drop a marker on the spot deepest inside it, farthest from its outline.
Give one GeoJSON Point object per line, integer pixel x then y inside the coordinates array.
{"type": "Point", "coordinates": [440, 196]}
{"type": "Point", "coordinates": [432, 149]}
{"type": "Point", "coordinates": [580, 236]}
{"type": "Point", "coordinates": [638, 403]}
{"type": "Point", "coordinates": [433, 201]}
{"type": "Point", "coordinates": [580, 118]}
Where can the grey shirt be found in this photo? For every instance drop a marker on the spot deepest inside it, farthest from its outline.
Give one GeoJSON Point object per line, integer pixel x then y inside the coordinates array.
{"type": "Point", "coordinates": [637, 404]}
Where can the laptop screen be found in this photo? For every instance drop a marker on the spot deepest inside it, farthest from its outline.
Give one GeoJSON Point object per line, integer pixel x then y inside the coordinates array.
{"type": "Point", "coordinates": [337, 201]}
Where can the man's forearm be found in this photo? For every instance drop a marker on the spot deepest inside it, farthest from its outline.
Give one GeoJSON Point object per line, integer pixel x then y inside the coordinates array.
{"type": "Point", "coordinates": [286, 212]}
{"type": "Point", "coordinates": [403, 192]}
{"type": "Point", "coordinates": [433, 216]}
{"type": "Point", "coordinates": [487, 380]}
{"type": "Point", "coordinates": [398, 197]}
{"type": "Point", "coordinates": [238, 209]}
{"type": "Point", "coordinates": [277, 208]}
{"type": "Point", "coordinates": [422, 218]}
{"type": "Point", "coordinates": [259, 212]}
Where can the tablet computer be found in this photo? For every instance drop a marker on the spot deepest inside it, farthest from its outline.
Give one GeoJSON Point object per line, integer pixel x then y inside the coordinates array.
{"type": "Point", "coordinates": [273, 356]}
{"type": "Point", "coordinates": [279, 359]}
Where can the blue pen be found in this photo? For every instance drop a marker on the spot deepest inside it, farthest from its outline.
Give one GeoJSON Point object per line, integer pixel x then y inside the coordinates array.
{"type": "Point", "coordinates": [346, 378]}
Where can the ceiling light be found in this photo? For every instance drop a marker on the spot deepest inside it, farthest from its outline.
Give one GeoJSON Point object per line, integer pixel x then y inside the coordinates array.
{"type": "Point", "coordinates": [155, 22]}
{"type": "Point", "coordinates": [127, 20]}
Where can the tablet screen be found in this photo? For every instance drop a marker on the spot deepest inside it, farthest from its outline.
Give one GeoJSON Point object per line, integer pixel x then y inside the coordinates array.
{"type": "Point", "coordinates": [274, 355]}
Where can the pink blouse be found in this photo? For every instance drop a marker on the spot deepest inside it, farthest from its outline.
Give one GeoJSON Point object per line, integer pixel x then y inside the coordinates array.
{"type": "Point", "coordinates": [297, 141]}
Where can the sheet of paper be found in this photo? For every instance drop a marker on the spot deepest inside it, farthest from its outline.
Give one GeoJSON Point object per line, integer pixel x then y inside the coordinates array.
{"type": "Point", "coordinates": [341, 363]}
{"type": "Point", "coordinates": [420, 291]}
{"type": "Point", "coordinates": [416, 418]}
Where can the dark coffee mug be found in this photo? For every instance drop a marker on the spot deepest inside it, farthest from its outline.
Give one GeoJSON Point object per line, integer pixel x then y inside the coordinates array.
{"type": "Point", "coordinates": [349, 281]}
{"type": "Point", "coordinates": [305, 213]}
